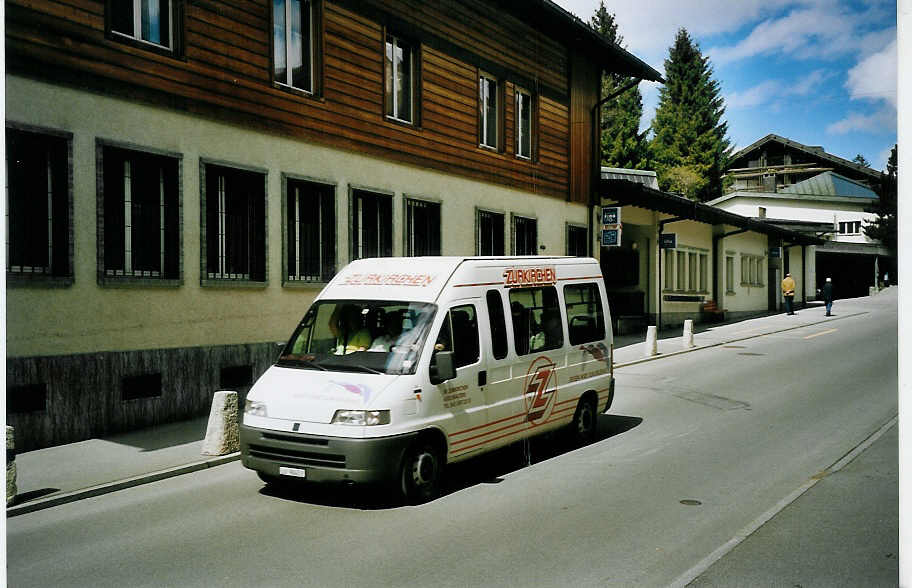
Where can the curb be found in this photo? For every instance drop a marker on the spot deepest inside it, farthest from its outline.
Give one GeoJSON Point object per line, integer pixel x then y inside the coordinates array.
{"type": "Point", "coordinates": [109, 487]}
{"type": "Point", "coordinates": [727, 341]}
{"type": "Point", "coordinates": [698, 570]}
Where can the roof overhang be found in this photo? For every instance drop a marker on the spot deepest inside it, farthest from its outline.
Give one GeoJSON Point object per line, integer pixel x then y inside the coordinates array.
{"type": "Point", "coordinates": [547, 16]}
{"type": "Point", "coordinates": [872, 173]}
{"type": "Point", "coordinates": [625, 192]}
{"type": "Point", "coordinates": [856, 200]}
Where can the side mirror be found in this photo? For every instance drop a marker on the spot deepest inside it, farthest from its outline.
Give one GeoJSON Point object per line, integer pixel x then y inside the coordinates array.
{"type": "Point", "coordinates": [442, 368]}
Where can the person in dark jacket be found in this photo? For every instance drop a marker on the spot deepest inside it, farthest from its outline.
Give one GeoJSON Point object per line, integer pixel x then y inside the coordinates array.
{"type": "Point", "coordinates": [828, 295]}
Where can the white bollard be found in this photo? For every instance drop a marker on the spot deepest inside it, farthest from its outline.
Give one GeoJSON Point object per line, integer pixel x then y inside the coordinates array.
{"type": "Point", "coordinates": [688, 340]}
{"type": "Point", "coordinates": [222, 435]}
{"type": "Point", "coordinates": [650, 347]}
{"type": "Point", "coordinates": [10, 466]}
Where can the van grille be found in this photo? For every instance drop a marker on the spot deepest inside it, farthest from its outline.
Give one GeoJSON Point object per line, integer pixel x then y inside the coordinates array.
{"type": "Point", "coordinates": [301, 440]}
{"type": "Point", "coordinates": [327, 460]}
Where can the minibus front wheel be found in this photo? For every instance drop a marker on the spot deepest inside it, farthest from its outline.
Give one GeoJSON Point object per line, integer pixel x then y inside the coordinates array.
{"type": "Point", "coordinates": [422, 471]}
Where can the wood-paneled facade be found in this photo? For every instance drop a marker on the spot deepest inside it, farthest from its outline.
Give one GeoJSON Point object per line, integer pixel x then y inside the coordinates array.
{"type": "Point", "coordinates": [221, 67]}
{"type": "Point", "coordinates": [137, 351]}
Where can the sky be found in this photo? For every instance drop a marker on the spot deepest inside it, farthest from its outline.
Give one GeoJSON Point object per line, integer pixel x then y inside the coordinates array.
{"type": "Point", "coordinates": [819, 72]}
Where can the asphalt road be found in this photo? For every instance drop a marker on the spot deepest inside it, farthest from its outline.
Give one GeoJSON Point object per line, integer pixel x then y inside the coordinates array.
{"type": "Point", "coordinates": [696, 448]}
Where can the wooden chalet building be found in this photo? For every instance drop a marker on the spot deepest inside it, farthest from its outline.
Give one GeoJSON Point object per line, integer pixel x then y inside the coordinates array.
{"type": "Point", "coordinates": [185, 175]}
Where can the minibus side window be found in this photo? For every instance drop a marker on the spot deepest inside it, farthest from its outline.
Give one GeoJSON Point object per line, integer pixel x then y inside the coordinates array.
{"type": "Point", "coordinates": [498, 324]}
{"type": "Point", "coordinates": [585, 319]}
{"type": "Point", "coordinates": [536, 316]}
{"type": "Point", "coordinates": [459, 334]}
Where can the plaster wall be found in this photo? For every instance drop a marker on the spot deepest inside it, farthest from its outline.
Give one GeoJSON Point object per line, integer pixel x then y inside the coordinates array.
{"type": "Point", "coordinates": [86, 317]}
{"type": "Point", "coordinates": [805, 210]}
{"type": "Point", "coordinates": [744, 296]}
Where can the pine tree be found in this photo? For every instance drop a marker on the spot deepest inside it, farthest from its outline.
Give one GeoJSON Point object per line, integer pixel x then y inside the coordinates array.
{"type": "Point", "coordinates": [860, 160]}
{"type": "Point", "coordinates": [622, 143]}
{"type": "Point", "coordinates": [883, 228]}
{"type": "Point", "coordinates": [689, 147]}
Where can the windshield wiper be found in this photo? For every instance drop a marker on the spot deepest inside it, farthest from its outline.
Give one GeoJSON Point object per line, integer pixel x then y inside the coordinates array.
{"type": "Point", "coordinates": [352, 367]}
{"type": "Point", "coordinates": [292, 360]}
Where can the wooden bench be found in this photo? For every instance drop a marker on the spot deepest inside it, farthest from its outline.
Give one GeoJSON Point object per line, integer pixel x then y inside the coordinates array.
{"type": "Point", "coordinates": [711, 312]}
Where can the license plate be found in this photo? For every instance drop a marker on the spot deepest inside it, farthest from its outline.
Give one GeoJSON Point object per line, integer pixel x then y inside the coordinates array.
{"type": "Point", "coordinates": [296, 472]}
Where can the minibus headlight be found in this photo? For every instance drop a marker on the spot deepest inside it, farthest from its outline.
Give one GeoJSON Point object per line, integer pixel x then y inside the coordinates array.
{"type": "Point", "coordinates": [361, 418]}
{"type": "Point", "coordinates": [255, 408]}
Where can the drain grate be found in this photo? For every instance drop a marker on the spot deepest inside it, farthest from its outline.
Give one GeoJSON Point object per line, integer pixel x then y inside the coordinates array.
{"type": "Point", "coordinates": [751, 353]}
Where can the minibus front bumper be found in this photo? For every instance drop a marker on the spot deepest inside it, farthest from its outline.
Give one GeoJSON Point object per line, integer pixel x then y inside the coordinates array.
{"type": "Point", "coordinates": [321, 458]}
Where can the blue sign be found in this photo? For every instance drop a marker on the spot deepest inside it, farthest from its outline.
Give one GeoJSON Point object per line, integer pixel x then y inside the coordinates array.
{"type": "Point", "coordinates": [775, 252]}
{"type": "Point", "coordinates": [611, 237]}
{"type": "Point", "coordinates": [611, 215]}
{"type": "Point", "coordinates": [668, 240]}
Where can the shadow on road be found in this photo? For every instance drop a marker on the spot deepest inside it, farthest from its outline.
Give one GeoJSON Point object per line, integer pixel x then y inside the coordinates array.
{"type": "Point", "coordinates": [490, 468]}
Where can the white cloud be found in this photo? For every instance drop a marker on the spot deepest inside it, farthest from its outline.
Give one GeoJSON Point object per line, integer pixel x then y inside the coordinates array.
{"type": "Point", "coordinates": [649, 27]}
{"type": "Point", "coordinates": [755, 96]}
{"type": "Point", "coordinates": [772, 90]}
{"type": "Point", "coordinates": [811, 32]}
{"type": "Point", "coordinates": [874, 78]}
{"type": "Point", "coordinates": [881, 120]}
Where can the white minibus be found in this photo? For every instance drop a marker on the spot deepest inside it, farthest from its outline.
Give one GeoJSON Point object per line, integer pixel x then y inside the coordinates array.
{"type": "Point", "coordinates": [404, 365]}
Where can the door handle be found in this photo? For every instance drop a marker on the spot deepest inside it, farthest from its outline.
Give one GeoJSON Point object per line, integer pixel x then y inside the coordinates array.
{"type": "Point", "coordinates": [482, 378]}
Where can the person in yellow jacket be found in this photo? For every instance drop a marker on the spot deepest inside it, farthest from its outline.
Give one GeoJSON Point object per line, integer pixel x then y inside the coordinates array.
{"type": "Point", "coordinates": [788, 292]}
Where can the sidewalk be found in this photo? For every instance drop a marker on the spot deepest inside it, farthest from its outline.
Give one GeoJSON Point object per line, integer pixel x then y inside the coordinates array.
{"type": "Point", "coordinates": [57, 475]}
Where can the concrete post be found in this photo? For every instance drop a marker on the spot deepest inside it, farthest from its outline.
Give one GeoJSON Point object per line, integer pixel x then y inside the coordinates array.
{"type": "Point", "coordinates": [222, 435]}
{"type": "Point", "coordinates": [651, 347]}
{"type": "Point", "coordinates": [688, 339]}
{"type": "Point", "coordinates": [10, 466]}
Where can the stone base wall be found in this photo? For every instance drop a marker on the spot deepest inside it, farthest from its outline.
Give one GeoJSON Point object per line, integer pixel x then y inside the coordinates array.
{"type": "Point", "coordinates": [52, 400]}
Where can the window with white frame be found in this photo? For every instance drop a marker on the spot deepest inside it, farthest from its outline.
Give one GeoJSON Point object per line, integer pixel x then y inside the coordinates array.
{"type": "Point", "coordinates": [692, 273]}
{"type": "Point", "coordinates": [422, 227]}
{"type": "Point", "coordinates": [523, 124]}
{"type": "Point", "coordinates": [681, 267]}
{"type": "Point", "coordinates": [293, 43]}
{"type": "Point", "coordinates": [38, 204]}
{"type": "Point", "coordinates": [525, 236]}
{"type": "Point", "coordinates": [752, 267]}
{"type": "Point", "coordinates": [489, 111]}
{"type": "Point", "coordinates": [490, 238]}
{"type": "Point", "coordinates": [850, 227]}
{"type": "Point", "coordinates": [400, 79]}
{"type": "Point", "coordinates": [139, 227]}
{"type": "Point", "coordinates": [704, 276]}
{"type": "Point", "coordinates": [148, 21]}
{"type": "Point", "coordinates": [729, 274]}
{"type": "Point", "coordinates": [235, 224]}
{"type": "Point", "coordinates": [669, 269]}
{"type": "Point", "coordinates": [310, 231]}
{"type": "Point", "coordinates": [372, 225]}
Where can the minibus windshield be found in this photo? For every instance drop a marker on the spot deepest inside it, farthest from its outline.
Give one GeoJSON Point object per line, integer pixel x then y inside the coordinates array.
{"type": "Point", "coordinates": [369, 336]}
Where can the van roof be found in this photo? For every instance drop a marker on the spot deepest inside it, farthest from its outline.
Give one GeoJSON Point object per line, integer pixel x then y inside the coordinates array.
{"type": "Point", "coordinates": [423, 279]}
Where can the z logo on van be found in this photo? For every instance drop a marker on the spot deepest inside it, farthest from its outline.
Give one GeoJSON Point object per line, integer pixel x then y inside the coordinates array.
{"type": "Point", "coordinates": [538, 398]}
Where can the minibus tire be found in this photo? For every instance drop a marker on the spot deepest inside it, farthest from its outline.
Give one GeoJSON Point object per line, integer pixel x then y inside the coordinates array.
{"type": "Point", "coordinates": [421, 472]}
{"type": "Point", "coordinates": [585, 421]}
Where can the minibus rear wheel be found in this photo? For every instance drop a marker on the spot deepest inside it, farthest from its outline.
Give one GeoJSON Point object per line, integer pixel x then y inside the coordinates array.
{"type": "Point", "coordinates": [422, 470]}
{"type": "Point", "coordinates": [585, 421]}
